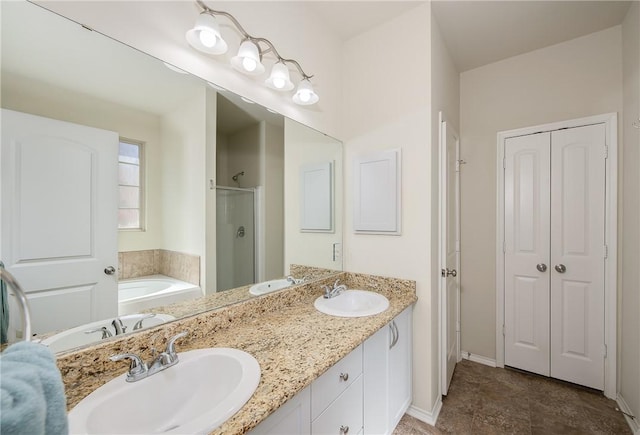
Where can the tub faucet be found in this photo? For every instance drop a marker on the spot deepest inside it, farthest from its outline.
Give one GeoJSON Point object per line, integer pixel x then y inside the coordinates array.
{"type": "Point", "coordinates": [140, 370]}
{"type": "Point", "coordinates": [118, 326]}
{"type": "Point", "coordinates": [335, 291]}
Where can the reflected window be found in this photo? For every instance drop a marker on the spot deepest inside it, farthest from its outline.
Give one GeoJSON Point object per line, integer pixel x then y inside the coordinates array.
{"type": "Point", "coordinates": [130, 186]}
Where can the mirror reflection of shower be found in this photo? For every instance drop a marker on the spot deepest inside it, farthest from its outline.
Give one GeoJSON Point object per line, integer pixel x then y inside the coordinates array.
{"type": "Point", "coordinates": [235, 177]}
{"type": "Point", "coordinates": [235, 235]}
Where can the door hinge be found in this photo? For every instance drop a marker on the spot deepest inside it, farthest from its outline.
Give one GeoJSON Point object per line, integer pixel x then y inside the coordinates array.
{"type": "Point", "coordinates": [606, 152]}
{"type": "Point", "coordinates": [604, 350]}
{"type": "Point", "coordinates": [606, 251]}
{"type": "Point", "coordinates": [504, 163]}
{"type": "Point", "coordinates": [503, 331]}
{"type": "Point", "coordinates": [504, 246]}
{"type": "Point", "coordinates": [457, 326]}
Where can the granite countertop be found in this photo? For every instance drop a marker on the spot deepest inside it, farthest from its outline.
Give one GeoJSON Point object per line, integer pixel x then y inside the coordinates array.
{"type": "Point", "coordinates": [293, 343]}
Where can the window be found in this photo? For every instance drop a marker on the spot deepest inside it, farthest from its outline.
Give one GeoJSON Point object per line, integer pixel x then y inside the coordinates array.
{"type": "Point", "coordinates": [130, 186]}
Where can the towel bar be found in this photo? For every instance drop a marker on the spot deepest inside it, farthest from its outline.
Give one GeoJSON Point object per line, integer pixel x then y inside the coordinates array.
{"type": "Point", "coordinates": [22, 301]}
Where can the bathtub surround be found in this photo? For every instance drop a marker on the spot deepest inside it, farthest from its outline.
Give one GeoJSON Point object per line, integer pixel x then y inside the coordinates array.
{"type": "Point", "coordinates": [178, 265]}
{"type": "Point", "coordinates": [278, 329]}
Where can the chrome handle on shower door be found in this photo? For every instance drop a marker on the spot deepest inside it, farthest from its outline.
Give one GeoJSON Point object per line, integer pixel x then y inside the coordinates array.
{"type": "Point", "coordinates": [561, 268]}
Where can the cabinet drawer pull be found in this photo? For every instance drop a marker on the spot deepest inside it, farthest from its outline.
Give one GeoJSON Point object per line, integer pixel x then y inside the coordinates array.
{"type": "Point", "coordinates": [344, 430]}
{"type": "Point", "coordinates": [344, 377]}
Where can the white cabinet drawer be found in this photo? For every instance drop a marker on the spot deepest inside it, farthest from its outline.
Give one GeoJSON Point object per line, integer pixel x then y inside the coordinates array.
{"type": "Point", "coordinates": [345, 412]}
{"type": "Point", "coordinates": [334, 381]}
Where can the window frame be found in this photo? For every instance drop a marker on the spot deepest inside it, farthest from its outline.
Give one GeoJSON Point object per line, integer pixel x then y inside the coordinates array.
{"type": "Point", "coordinates": [141, 184]}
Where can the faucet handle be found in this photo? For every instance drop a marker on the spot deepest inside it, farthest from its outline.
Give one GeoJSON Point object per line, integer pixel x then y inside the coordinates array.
{"type": "Point", "coordinates": [138, 324]}
{"type": "Point", "coordinates": [137, 367]}
{"type": "Point", "coordinates": [171, 349]}
{"type": "Point", "coordinates": [104, 330]}
{"type": "Point", "coordinates": [335, 284]}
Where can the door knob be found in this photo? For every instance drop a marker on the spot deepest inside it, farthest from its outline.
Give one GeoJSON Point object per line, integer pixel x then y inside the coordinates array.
{"type": "Point", "coordinates": [448, 272]}
{"type": "Point", "coordinates": [541, 267]}
{"type": "Point", "coordinates": [561, 268]}
{"type": "Point", "coordinates": [110, 270]}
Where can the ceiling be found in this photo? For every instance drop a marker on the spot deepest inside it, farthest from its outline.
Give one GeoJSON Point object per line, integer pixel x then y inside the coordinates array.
{"type": "Point", "coordinates": [350, 18]}
{"type": "Point", "coordinates": [481, 32]}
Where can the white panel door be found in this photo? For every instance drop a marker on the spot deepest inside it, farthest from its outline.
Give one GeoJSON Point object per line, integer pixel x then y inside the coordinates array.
{"type": "Point", "coordinates": [526, 294]}
{"type": "Point", "coordinates": [450, 251]}
{"type": "Point", "coordinates": [577, 255]}
{"type": "Point", "coordinates": [59, 217]}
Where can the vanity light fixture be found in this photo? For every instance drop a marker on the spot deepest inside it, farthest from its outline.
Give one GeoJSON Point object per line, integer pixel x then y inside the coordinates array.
{"type": "Point", "coordinates": [248, 59]}
{"type": "Point", "coordinates": [205, 37]}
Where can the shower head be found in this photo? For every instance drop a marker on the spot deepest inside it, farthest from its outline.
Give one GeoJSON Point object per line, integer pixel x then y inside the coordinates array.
{"type": "Point", "coordinates": [235, 177]}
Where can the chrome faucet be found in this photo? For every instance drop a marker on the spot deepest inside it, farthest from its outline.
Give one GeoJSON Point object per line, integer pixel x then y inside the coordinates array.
{"type": "Point", "coordinates": [138, 324]}
{"type": "Point", "coordinates": [335, 291]}
{"type": "Point", "coordinates": [295, 281]}
{"type": "Point", "coordinates": [140, 370]}
{"type": "Point", "coordinates": [105, 332]}
{"type": "Point", "coordinates": [118, 326]}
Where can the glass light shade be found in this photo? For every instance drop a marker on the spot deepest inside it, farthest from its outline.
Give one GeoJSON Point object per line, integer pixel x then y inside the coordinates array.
{"type": "Point", "coordinates": [279, 78]}
{"type": "Point", "coordinates": [305, 95]}
{"type": "Point", "coordinates": [248, 59]}
{"type": "Point", "coordinates": [205, 35]}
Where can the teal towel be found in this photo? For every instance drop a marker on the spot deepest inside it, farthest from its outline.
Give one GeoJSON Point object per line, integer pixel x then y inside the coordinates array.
{"type": "Point", "coordinates": [4, 310]}
{"type": "Point", "coordinates": [32, 399]}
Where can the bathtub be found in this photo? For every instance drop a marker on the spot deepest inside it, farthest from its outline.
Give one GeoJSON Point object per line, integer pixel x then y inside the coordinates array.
{"type": "Point", "coordinates": [137, 294]}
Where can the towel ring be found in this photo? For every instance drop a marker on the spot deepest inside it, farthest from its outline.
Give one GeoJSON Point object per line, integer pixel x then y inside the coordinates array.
{"type": "Point", "coordinates": [22, 301]}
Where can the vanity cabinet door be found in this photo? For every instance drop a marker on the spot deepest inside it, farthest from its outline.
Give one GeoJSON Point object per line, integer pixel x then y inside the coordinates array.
{"type": "Point", "coordinates": [292, 418]}
{"type": "Point", "coordinates": [387, 372]}
{"type": "Point", "coordinates": [400, 366]}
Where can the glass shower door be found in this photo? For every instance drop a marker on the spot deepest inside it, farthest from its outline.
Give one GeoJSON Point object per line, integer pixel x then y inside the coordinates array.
{"type": "Point", "coordinates": [235, 237]}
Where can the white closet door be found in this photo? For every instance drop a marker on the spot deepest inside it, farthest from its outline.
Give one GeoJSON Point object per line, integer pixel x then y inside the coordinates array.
{"type": "Point", "coordinates": [526, 298]}
{"type": "Point", "coordinates": [59, 217]}
{"type": "Point", "coordinates": [577, 255]}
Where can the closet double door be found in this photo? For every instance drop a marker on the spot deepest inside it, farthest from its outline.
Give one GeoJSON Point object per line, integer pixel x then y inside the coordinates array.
{"type": "Point", "coordinates": [555, 254]}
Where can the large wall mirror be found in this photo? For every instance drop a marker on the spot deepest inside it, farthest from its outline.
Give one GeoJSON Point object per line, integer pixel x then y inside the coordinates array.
{"type": "Point", "coordinates": [133, 193]}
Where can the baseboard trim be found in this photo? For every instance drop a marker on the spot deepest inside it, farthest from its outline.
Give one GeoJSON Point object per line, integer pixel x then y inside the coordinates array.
{"type": "Point", "coordinates": [429, 417]}
{"type": "Point", "coordinates": [632, 422]}
{"type": "Point", "coordinates": [479, 359]}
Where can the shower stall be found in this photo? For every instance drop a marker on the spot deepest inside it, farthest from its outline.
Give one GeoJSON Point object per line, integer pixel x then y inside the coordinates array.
{"type": "Point", "coordinates": [235, 237]}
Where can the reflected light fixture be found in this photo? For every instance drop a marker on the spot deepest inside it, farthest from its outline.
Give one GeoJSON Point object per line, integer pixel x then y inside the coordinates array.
{"type": "Point", "coordinates": [205, 37]}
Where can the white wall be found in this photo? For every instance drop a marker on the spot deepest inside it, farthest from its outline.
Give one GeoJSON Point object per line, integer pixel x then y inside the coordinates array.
{"type": "Point", "coordinates": [386, 104]}
{"type": "Point", "coordinates": [31, 96]}
{"type": "Point", "coordinates": [303, 146]}
{"type": "Point", "coordinates": [158, 28]}
{"type": "Point", "coordinates": [183, 174]}
{"type": "Point", "coordinates": [445, 97]}
{"type": "Point", "coordinates": [573, 79]}
{"type": "Point", "coordinates": [629, 338]}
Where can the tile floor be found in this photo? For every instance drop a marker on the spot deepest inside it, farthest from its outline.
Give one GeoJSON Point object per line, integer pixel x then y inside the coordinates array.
{"type": "Point", "coordinates": [485, 400]}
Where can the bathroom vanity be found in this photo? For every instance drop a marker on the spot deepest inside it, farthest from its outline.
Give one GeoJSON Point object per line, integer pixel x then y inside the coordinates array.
{"type": "Point", "coordinates": [367, 391]}
{"type": "Point", "coordinates": [301, 353]}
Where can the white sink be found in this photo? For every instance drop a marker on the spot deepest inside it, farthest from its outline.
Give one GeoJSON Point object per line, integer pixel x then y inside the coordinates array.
{"type": "Point", "coordinates": [353, 303]}
{"type": "Point", "coordinates": [75, 337]}
{"type": "Point", "coordinates": [198, 394]}
{"type": "Point", "coordinates": [269, 286]}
